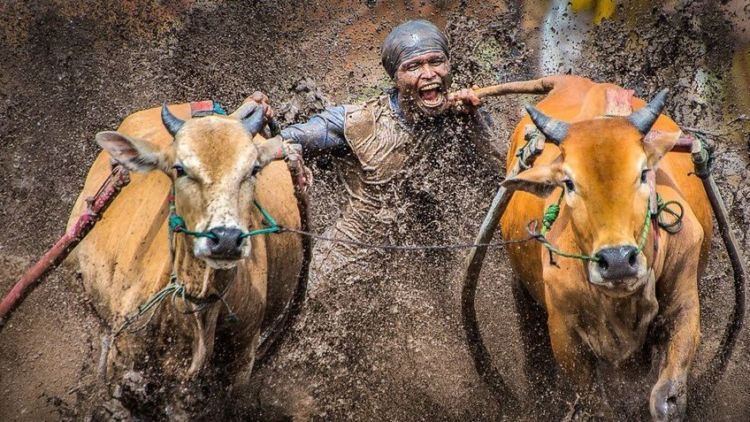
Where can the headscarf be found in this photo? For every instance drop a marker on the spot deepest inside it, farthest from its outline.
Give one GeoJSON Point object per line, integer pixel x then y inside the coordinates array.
{"type": "Point", "coordinates": [410, 39]}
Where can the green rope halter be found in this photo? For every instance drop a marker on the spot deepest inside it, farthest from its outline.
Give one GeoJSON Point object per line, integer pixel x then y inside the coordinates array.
{"type": "Point", "coordinates": [176, 289]}
{"type": "Point", "coordinates": [553, 211]}
{"type": "Point", "coordinates": [177, 223]}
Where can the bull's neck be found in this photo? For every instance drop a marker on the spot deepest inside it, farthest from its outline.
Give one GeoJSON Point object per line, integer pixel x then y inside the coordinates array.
{"type": "Point", "coordinates": [200, 282]}
{"type": "Point", "coordinates": [199, 279]}
{"type": "Point", "coordinates": [618, 327]}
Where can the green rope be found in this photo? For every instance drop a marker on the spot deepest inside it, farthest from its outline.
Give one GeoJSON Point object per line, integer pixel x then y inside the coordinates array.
{"type": "Point", "coordinates": [549, 218]}
{"type": "Point", "coordinates": [551, 214]}
{"type": "Point", "coordinates": [173, 289]}
{"type": "Point", "coordinates": [671, 227]}
{"type": "Point", "coordinates": [273, 227]}
{"type": "Point", "coordinates": [177, 223]}
{"type": "Point", "coordinates": [663, 208]}
{"type": "Point", "coordinates": [554, 250]}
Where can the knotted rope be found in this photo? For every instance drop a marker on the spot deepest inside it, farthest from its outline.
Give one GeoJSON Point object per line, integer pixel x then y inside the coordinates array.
{"type": "Point", "coordinates": [553, 211]}
{"type": "Point", "coordinates": [176, 289]}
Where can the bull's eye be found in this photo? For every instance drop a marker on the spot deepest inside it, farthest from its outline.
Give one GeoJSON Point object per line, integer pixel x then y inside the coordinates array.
{"type": "Point", "coordinates": [644, 175]}
{"type": "Point", "coordinates": [255, 170]}
{"type": "Point", "coordinates": [179, 170]}
{"type": "Point", "coordinates": [569, 186]}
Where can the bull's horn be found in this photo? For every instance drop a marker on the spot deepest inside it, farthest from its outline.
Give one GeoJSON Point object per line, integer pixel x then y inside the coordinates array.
{"type": "Point", "coordinates": [172, 123]}
{"type": "Point", "coordinates": [644, 118]}
{"type": "Point", "coordinates": [554, 130]}
{"type": "Point", "coordinates": [255, 121]}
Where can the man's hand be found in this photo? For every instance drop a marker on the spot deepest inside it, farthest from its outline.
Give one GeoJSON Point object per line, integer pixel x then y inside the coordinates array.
{"type": "Point", "coordinates": [291, 151]}
{"type": "Point", "coordinates": [464, 101]}
{"type": "Point", "coordinates": [261, 99]}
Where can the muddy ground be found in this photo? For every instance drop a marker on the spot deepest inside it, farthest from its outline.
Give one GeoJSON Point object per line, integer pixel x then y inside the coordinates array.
{"type": "Point", "coordinates": [69, 69]}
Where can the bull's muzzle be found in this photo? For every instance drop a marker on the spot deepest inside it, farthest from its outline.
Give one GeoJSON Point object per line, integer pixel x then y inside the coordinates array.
{"type": "Point", "coordinates": [616, 264]}
{"type": "Point", "coordinates": [226, 243]}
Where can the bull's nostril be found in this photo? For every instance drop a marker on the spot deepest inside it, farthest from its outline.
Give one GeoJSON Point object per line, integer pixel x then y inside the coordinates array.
{"type": "Point", "coordinates": [225, 241]}
{"type": "Point", "coordinates": [617, 263]}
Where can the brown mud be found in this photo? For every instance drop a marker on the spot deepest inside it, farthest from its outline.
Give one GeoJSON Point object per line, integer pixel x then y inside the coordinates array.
{"type": "Point", "coordinates": [378, 347]}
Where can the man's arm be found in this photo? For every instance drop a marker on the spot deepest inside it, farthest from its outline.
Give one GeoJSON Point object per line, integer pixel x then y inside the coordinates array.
{"type": "Point", "coordinates": [323, 133]}
{"type": "Point", "coordinates": [466, 101]}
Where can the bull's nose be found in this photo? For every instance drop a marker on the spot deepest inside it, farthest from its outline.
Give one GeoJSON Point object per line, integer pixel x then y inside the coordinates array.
{"type": "Point", "coordinates": [617, 263]}
{"type": "Point", "coordinates": [226, 242]}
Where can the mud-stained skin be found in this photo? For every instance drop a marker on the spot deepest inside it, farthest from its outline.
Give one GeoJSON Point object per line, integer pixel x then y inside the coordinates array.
{"type": "Point", "coordinates": [214, 164]}
{"type": "Point", "coordinates": [602, 169]}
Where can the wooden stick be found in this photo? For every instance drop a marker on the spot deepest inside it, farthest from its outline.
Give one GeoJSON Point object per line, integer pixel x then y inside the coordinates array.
{"type": "Point", "coordinates": [535, 86]}
{"type": "Point", "coordinates": [473, 266]}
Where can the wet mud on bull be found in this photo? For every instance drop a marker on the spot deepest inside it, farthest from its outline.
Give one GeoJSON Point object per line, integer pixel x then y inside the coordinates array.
{"type": "Point", "coordinates": [69, 73]}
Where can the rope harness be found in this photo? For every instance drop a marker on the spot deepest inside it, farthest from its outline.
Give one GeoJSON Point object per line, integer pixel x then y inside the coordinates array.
{"type": "Point", "coordinates": [553, 211]}
{"type": "Point", "coordinates": [175, 289]}
{"type": "Point", "coordinates": [177, 224]}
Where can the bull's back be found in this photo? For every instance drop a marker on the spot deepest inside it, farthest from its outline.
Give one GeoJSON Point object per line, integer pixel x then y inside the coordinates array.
{"type": "Point", "coordinates": [125, 258]}
{"type": "Point", "coordinates": [576, 99]}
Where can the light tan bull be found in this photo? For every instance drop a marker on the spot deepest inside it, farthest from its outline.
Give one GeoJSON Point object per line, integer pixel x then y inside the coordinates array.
{"type": "Point", "coordinates": [214, 163]}
{"type": "Point", "coordinates": [604, 167]}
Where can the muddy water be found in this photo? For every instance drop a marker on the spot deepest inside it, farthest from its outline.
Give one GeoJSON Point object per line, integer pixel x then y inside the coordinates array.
{"type": "Point", "coordinates": [381, 346]}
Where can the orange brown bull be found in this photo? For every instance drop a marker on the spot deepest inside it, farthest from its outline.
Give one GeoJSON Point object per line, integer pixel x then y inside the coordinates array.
{"type": "Point", "coordinates": [217, 167]}
{"type": "Point", "coordinates": [605, 171]}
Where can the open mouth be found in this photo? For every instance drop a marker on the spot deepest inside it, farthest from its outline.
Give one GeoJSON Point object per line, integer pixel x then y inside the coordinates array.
{"type": "Point", "coordinates": [221, 263]}
{"type": "Point", "coordinates": [431, 95]}
{"type": "Point", "coordinates": [621, 287]}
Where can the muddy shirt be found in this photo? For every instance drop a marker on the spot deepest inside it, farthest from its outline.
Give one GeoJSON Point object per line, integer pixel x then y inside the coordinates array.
{"type": "Point", "coordinates": [384, 325]}
{"type": "Point", "coordinates": [386, 198]}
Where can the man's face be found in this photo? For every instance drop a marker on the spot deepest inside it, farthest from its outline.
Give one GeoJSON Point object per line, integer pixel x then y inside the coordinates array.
{"type": "Point", "coordinates": [423, 81]}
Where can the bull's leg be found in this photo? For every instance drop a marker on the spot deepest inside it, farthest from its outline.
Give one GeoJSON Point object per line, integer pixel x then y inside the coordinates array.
{"type": "Point", "coordinates": [570, 353]}
{"type": "Point", "coordinates": [578, 364]}
{"type": "Point", "coordinates": [244, 364]}
{"type": "Point", "coordinates": [242, 396]}
{"type": "Point", "coordinates": [669, 395]}
{"type": "Point", "coordinates": [204, 336]}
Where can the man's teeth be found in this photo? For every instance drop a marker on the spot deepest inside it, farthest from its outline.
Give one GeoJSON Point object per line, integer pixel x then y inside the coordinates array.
{"type": "Point", "coordinates": [429, 87]}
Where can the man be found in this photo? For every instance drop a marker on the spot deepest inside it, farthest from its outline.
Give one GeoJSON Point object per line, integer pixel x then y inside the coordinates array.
{"type": "Point", "coordinates": [380, 139]}
{"type": "Point", "coordinates": [377, 336]}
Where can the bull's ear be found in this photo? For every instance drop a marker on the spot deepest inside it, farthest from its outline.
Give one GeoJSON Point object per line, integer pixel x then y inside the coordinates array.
{"type": "Point", "coordinates": [270, 149]}
{"type": "Point", "coordinates": [540, 180]}
{"type": "Point", "coordinates": [657, 143]}
{"type": "Point", "coordinates": [134, 154]}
